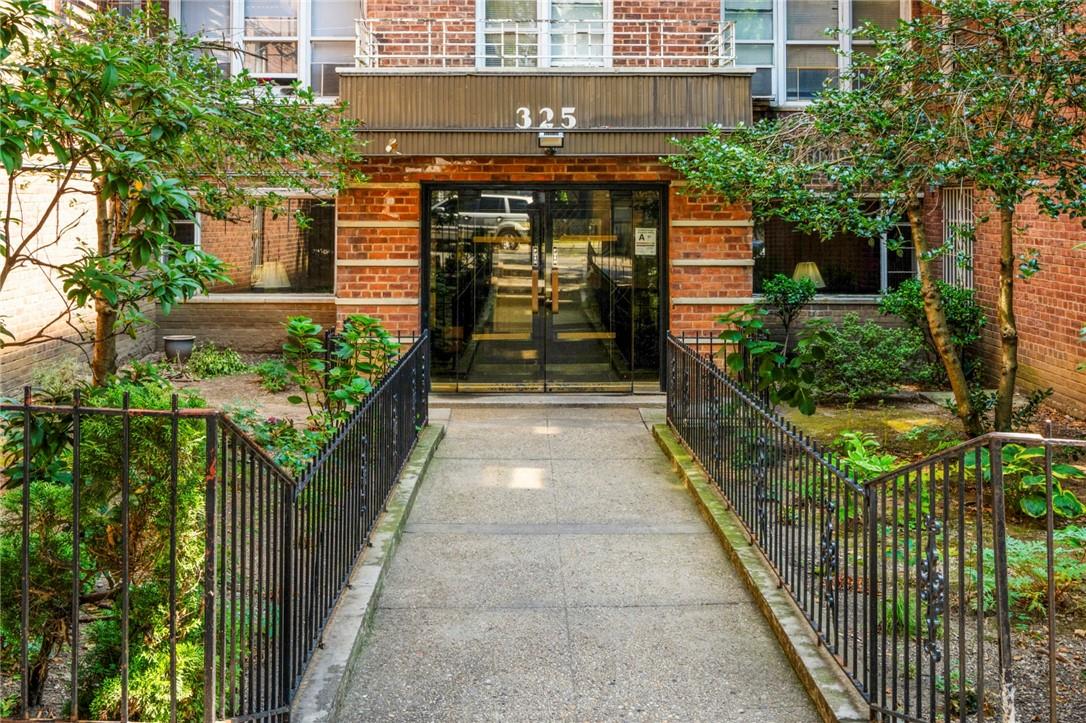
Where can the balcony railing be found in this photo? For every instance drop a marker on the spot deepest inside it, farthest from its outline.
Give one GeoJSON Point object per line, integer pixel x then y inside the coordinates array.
{"type": "Point", "coordinates": [463, 43]}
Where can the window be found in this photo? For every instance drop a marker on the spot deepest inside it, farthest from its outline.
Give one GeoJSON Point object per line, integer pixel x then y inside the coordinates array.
{"type": "Point", "coordinates": [958, 224]}
{"type": "Point", "coordinates": [794, 45]}
{"type": "Point", "coordinates": [268, 253]}
{"type": "Point", "coordinates": [283, 41]}
{"type": "Point", "coordinates": [332, 43]}
{"type": "Point", "coordinates": [492, 204]}
{"type": "Point", "coordinates": [843, 265]}
{"type": "Point", "coordinates": [271, 39]}
{"type": "Point", "coordinates": [186, 232]}
{"type": "Point", "coordinates": [754, 40]}
{"type": "Point", "coordinates": [543, 33]}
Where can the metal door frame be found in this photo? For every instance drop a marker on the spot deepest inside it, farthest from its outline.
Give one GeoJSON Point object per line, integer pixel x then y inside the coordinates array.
{"type": "Point", "coordinates": [546, 227]}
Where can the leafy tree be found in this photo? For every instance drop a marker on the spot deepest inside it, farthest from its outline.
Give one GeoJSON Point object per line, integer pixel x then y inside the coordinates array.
{"type": "Point", "coordinates": [991, 91]}
{"type": "Point", "coordinates": [140, 119]}
{"type": "Point", "coordinates": [1017, 111]}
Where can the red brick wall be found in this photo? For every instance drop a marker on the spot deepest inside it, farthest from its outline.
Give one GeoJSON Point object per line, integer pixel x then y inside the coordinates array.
{"type": "Point", "coordinates": [380, 221]}
{"type": "Point", "coordinates": [1050, 307]}
{"type": "Point", "coordinates": [243, 325]}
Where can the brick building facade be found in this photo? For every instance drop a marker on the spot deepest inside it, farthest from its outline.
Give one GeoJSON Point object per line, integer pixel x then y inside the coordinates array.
{"type": "Point", "coordinates": [1050, 307]}
{"type": "Point", "coordinates": [453, 100]}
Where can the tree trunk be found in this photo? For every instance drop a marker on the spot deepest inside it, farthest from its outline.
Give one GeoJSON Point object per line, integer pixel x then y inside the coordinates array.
{"type": "Point", "coordinates": [940, 329]}
{"type": "Point", "coordinates": [1008, 327]}
{"type": "Point", "coordinates": [104, 351]}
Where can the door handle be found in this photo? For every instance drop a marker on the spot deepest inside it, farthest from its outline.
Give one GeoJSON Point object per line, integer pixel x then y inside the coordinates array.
{"type": "Point", "coordinates": [535, 290]}
{"type": "Point", "coordinates": [554, 291]}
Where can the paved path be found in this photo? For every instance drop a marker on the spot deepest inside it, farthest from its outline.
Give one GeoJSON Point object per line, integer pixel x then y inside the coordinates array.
{"type": "Point", "coordinates": [553, 568]}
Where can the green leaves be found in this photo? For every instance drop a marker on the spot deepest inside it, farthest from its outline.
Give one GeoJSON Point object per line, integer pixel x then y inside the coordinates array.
{"type": "Point", "coordinates": [764, 364]}
{"type": "Point", "coordinates": [1025, 482]}
{"type": "Point", "coordinates": [337, 372]}
{"type": "Point", "coordinates": [161, 134]}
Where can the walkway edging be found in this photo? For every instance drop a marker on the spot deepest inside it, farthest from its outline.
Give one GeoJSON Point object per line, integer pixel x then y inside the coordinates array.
{"type": "Point", "coordinates": [321, 690]}
{"type": "Point", "coordinates": [831, 692]}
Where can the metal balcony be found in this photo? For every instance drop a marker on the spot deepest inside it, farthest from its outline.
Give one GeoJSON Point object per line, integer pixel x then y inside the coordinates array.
{"type": "Point", "coordinates": [382, 43]}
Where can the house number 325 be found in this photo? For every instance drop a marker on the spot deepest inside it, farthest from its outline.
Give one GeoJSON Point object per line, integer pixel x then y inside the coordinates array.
{"type": "Point", "coordinates": [546, 117]}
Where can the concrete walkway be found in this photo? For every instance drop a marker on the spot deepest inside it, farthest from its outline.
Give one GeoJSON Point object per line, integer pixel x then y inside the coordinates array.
{"type": "Point", "coordinates": [554, 568]}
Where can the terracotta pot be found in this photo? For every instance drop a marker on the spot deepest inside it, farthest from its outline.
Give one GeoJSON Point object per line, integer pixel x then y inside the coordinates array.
{"type": "Point", "coordinates": [178, 347]}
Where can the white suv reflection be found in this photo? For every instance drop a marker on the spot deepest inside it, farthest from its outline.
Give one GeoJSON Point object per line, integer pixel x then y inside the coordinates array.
{"type": "Point", "coordinates": [497, 214]}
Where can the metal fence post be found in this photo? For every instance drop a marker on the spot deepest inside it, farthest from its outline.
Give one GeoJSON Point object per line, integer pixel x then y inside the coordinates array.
{"type": "Point", "coordinates": [287, 623]}
{"type": "Point", "coordinates": [999, 552]}
{"type": "Point", "coordinates": [872, 558]}
{"type": "Point", "coordinates": [210, 526]}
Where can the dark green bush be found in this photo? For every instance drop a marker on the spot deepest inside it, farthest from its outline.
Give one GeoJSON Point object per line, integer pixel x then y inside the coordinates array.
{"type": "Point", "coordinates": [964, 316]}
{"type": "Point", "coordinates": [865, 360]}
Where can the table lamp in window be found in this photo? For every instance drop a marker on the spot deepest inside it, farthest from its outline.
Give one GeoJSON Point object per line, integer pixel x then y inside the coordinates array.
{"type": "Point", "coordinates": [808, 270]}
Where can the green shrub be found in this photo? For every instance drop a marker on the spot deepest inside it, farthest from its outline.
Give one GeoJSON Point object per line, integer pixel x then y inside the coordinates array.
{"type": "Point", "coordinates": [965, 319]}
{"type": "Point", "coordinates": [764, 364]}
{"type": "Point", "coordinates": [274, 375]}
{"type": "Point", "coordinates": [865, 360]}
{"type": "Point", "coordinates": [208, 361]}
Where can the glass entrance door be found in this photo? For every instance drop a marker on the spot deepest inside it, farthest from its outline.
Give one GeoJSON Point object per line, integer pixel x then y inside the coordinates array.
{"type": "Point", "coordinates": [534, 290]}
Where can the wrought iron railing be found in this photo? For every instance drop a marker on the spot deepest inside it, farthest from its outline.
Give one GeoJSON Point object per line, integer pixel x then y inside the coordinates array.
{"type": "Point", "coordinates": [904, 577]}
{"type": "Point", "coordinates": [274, 550]}
{"type": "Point", "coordinates": [470, 43]}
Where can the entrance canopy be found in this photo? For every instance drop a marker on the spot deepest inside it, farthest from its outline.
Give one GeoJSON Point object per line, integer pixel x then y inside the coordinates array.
{"type": "Point", "coordinates": [570, 112]}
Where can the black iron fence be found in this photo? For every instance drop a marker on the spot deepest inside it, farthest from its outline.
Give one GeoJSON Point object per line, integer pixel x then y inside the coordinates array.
{"type": "Point", "coordinates": [936, 603]}
{"type": "Point", "coordinates": [163, 564]}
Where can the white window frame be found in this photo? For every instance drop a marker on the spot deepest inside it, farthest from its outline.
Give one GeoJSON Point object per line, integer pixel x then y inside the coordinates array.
{"type": "Point", "coordinates": [300, 39]}
{"type": "Point", "coordinates": [543, 18]}
{"type": "Point", "coordinates": [197, 224]}
{"type": "Point", "coordinates": [780, 42]}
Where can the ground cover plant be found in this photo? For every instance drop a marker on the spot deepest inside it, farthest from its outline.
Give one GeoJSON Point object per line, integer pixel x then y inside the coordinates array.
{"type": "Point", "coordinates": [208, 361]}
{"type": "Point", "coordinates": [273, 374]}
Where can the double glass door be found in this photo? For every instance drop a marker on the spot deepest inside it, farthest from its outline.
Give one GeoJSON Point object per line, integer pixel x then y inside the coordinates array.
{"type": "Point", "coordinates": [544, 290]}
